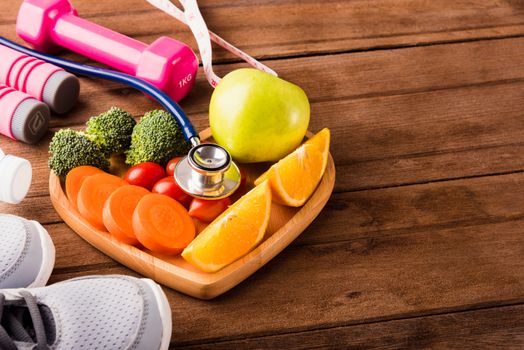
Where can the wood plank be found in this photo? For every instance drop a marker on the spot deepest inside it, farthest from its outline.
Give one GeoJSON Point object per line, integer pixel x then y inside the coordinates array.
{"type": "Point", "coordinates": [437, 166]}
{"type": "Point", "coordinates": [359, 281]}
{"type": "Point", "coordinates": [423, 123]}
{"type": "Point", "coordinates": [424, 132]}
{"type": "Point", "coordinates": [295, 27]}
{"type": "Point", "coordinates": [73, 253]}
{"type": "Point", "coordinates": [501, 328]}
{"type": "Point", "coordinates": [427, 207]}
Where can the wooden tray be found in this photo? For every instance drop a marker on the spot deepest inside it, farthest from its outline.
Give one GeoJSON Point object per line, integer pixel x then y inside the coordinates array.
{"type": "Point", "coordinates": [285, 225]}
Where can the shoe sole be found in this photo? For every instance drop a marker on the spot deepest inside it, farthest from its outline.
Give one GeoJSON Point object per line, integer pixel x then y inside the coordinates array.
{"type": "Point", "coordinates": [164, 310]}
{"type": "Point", "coordinates": [48, 257]}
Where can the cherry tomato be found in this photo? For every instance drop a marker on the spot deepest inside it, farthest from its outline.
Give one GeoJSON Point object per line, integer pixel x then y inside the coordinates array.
{"type": "Point", "coordinates": [208, 210]}
{"type": "Point", "coordinates": [243, 178]}
{"type": "Point", "coordinates": [169, 187]}
{"type": "Point", "coordinates": [170, 168]}
{"type": "Point", "coordinates": [145, 174]}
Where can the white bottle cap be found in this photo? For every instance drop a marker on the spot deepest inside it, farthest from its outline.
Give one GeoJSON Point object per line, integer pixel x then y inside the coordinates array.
{"type": "Point", "coordinates": [15, 178]}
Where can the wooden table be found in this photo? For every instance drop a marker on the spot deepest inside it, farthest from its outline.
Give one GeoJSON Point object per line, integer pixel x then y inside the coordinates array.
{"type": "Point", "coordinates": [422, 242]}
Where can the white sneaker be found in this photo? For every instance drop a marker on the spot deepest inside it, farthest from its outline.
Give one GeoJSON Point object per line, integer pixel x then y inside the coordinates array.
{"type": "Point", "coordinates": [96, 312]}
{"type": "Point", "coordinates": [27, 253]}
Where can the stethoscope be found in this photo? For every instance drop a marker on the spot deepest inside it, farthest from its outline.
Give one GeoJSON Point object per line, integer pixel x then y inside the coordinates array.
{"type": "Point", "coordinates": [208, 170]}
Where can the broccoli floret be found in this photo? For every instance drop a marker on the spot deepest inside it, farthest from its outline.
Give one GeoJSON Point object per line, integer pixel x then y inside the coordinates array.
{"type": "Point", "coordinates": [111, 130]}
{"type": "Point", "coordinates": [70, 149]}
{"type": "Point", "coordinates": [156, 138]}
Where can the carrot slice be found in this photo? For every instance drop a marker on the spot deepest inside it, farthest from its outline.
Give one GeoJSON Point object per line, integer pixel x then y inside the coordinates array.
{"type": "Point", "coordinates": [93, 194]}
{"type": "Point", "coordinates": [162, 224]}
{"type": "Point", "coordinates": [118, 212]}
{"type": "Point", "coordinates": [74, 180]}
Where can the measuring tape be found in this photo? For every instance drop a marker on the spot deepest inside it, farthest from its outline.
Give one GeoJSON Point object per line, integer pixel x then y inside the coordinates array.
{"type": "Point", "coordinates": [192, 17]}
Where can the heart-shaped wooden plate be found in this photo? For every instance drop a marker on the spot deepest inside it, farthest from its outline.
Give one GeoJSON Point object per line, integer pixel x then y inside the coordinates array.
{"type": "Point", "coordinates": [285, 225]}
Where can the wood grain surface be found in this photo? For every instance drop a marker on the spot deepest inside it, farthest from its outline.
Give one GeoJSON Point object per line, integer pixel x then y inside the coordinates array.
{"type": "Point", "coordinates": [421, 245]}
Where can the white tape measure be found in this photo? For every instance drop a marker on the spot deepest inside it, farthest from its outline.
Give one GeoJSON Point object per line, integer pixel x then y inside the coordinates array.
{"type": "Point", "coordinates": [192, 17]}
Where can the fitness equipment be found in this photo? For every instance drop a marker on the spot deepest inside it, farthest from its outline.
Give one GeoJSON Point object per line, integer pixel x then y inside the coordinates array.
{"type": "Point", "coordinates": [49, 25]}
{"type": "Point", "coordinates": [43, 81]}
{"type": "Point", "coordinates": [22, 117]}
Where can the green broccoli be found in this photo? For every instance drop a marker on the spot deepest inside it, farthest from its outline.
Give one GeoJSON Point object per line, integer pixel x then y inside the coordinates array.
{"type": "Point", "coordinates": [70, 149]}
{"type": "Point", "coordinates": [156, 138]}
{"type": "Point", "coordinates": [111, 130]}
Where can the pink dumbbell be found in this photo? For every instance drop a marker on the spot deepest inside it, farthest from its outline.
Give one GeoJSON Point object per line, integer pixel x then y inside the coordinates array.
{"type": "Point", "coordinates": [166, 63]}
{"type": "Point", "coordinates": [45, 82]}
{"type": "Point", "coordinates": [22, 117]}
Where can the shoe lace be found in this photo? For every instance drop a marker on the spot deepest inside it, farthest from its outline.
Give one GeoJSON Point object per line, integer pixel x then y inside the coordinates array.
{"type": "Point", "coordinates": [12, 325]}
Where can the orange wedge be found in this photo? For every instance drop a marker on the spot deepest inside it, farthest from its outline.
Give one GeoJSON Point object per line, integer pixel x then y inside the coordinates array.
{"type": "Point", "coordinates": [234, 233]}
{"type": "Point", "coordinates": [294, 178]}
{"type": "Point", "coordinates": [321, 140]}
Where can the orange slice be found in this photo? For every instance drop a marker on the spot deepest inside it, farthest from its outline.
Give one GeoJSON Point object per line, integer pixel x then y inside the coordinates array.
{"type": "Point", "coordinates": [321, 140]}
{"type": "Point", "coordinates": [294, 178]}
{"type": "Point", "coordinates": [234, 233]}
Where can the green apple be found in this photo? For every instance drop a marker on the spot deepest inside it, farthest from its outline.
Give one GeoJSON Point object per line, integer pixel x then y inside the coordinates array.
{"type": "Point", "coordinates": [258, 117]}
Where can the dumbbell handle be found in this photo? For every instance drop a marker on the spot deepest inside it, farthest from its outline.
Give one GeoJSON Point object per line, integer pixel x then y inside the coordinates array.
{"type": "Point", "coordinates": [23, 72]}
{"type": "Point", "coordinates": [10, 99]}
{"type": "Point", "coordinates": [98, 43]}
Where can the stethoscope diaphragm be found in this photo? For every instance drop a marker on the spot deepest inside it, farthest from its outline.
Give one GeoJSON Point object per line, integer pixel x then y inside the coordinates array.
{"type": "Point", "coordinates": [208, 172]}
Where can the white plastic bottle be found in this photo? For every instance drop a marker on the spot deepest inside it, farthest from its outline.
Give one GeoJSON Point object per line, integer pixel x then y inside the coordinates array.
{"type": "Point", "coordinates": [15, 178]}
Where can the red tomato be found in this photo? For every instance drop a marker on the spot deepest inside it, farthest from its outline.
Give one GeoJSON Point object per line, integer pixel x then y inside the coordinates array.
{"type": "Point", "coordinates": [145, 174]}
{"type": "Point", "coordinates": [170, 168]}
{"type": "Point", "coordinates": [169, 187]}
{"type": "Point", "coordinates": [243, 178]}
{"type": "Point", "coordinates": [208, 210]}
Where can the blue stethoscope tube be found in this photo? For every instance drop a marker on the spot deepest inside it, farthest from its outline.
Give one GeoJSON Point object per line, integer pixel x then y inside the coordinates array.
{"type": "Point", "coordinates": [83, 69]}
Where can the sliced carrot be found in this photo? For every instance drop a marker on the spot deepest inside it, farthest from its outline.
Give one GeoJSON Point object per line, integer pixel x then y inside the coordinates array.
{"type": "Point", "coordinates": [118, 212]}
{"type": "Point", "coordinates": [74, 180]}
{"type": "Point", "coordinates": [162, 225]}
{"type": "Point", "coordinates": [93, 194]}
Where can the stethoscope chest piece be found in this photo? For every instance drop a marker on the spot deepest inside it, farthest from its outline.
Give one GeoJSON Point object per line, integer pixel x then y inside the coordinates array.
{"type": "Point", "coordinates": [208, 172]}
